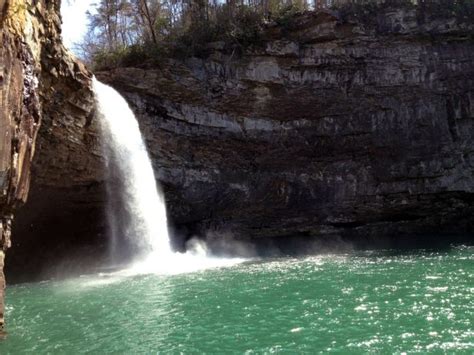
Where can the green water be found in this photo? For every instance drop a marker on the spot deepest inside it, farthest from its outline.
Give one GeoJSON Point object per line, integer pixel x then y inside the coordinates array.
{"type": "Point", "coordinates": [371, 302]}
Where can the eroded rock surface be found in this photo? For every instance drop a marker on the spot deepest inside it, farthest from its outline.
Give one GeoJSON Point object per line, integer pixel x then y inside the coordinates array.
{"type": "Point", "coordinates": [46, 106]}
{"type": "Point", "coordinates": [333, 128]}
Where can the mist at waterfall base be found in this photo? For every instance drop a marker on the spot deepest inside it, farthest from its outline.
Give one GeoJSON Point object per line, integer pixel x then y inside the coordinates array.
{"type": "Point", "coordinates": [136, 211]}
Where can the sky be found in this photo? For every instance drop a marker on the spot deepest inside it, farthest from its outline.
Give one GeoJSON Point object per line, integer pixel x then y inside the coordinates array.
{"type": "Point", "coordinates": [74, 20]}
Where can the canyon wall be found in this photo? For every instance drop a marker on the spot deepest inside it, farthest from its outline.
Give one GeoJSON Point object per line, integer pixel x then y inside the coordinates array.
{"type": "Point", "coordinates": [329, 129]}
{"type": "Point", "coordinates": [46, 105]}
{"type": "Point", "coordinates": [332, 128]}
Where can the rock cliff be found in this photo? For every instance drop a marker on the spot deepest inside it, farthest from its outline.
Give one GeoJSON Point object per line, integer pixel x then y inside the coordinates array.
{"type": "Point", "coordinates": [42, 90]}
{"type": "Point", "coordinates": [332, 128]}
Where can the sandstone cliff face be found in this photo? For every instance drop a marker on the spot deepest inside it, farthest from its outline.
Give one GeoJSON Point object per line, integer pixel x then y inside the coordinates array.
{"type": "Point", "coordinates": [332, 129]}
{"type": "Point", "coordinates": [41, 85]}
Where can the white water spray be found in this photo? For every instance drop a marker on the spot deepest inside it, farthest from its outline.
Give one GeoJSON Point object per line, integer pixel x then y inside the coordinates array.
{"type": "Point", "coordinates": [136, 210]}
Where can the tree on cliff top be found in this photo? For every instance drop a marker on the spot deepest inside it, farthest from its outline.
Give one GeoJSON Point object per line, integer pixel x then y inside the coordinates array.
{"type": "Point", "coordinates": [123, 32]}
{"type": "Point", "coordinates": [119, 28]}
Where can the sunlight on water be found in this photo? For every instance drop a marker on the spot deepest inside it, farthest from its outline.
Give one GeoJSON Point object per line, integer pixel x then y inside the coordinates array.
{"type": "Point", "coordinates": [374, 302]}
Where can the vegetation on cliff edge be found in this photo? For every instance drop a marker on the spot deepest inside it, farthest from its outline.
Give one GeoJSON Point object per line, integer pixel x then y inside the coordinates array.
{"type": "Point", "coordinates": [142, 32]}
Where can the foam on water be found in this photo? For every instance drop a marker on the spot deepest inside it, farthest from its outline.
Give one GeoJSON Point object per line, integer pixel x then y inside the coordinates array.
{"type": "Point", "coordinates": [178, 264]}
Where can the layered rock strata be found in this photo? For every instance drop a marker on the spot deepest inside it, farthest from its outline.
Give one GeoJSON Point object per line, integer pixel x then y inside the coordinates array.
{"type": "Point", "coordinates": [331, 128]}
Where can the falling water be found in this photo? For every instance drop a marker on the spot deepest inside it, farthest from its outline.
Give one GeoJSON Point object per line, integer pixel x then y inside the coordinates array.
{"type": "Point", "coordinates": [136, 211]}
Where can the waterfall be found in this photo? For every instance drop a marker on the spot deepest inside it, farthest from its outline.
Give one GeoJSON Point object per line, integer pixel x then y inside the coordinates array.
{"type": "Point", "coordinates": [136, 210]}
